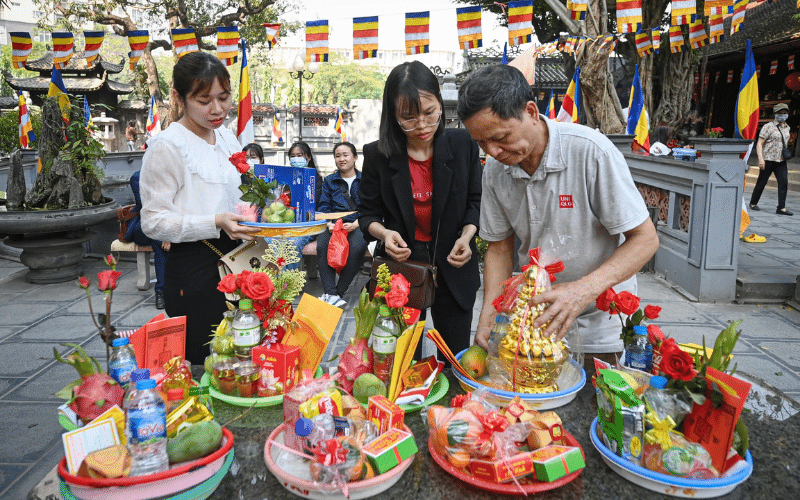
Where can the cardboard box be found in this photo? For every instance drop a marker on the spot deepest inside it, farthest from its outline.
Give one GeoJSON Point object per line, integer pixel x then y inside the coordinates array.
{"type": "Point", "coordinates": [555, 461]}
{"type": "Point", "coordinates": [298, 182]}
{"type": "Point", "coordinates": [384, 414]}
{"type": "Point", "coordinates": [501, 471]}
{"type": "Point", "coordinates": [158, 341]}
{"type": "Point", "coordinates": [282, 360]}
{"type": "Point", "coordinates": [389, 449]}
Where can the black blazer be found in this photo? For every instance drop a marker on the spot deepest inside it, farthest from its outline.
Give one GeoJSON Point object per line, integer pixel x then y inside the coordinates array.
{"type": "Point", "coordinates": [385, 197]}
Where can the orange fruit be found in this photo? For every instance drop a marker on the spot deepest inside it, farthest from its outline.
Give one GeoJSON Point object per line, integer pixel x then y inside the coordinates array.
{"type": "Point", "coordinates": [459, 459]}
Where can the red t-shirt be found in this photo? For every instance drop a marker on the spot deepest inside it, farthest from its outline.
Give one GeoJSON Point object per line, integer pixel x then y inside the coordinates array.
{"type": "Point", "coordinates": [422, 193]}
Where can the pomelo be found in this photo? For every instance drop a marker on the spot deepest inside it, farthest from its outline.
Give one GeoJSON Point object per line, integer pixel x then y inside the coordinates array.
{"type": "Point", "coordinates": [366, 386]}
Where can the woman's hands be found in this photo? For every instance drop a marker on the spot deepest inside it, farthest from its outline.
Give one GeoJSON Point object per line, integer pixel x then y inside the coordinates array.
{"type": "Point", "coordinates": [229, 223]}
{"type": "Point", "coordinates": [396, 247]}
{"type": "Point", "coordinates": [347, 226]}
{"type": "Point", "coordinates": [461, 252]}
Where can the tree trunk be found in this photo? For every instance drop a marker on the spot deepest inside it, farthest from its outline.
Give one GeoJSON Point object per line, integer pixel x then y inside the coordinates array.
{"type": "Point", "coordinates": [676, 90]}
{"type": "Point", "coordinates": [50, 143]}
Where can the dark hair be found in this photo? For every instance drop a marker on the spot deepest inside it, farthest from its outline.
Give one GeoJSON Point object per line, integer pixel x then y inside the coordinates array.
{"type": "Point", "coordinates": [255, 148]}
{"type": "Point", "coordinates": [345, 143]}
{"type": "Point", "coordinates": [306, 149]}
{"type": "Point", "coordinates": [404, 84]}
{"type": "Point", "coordinates": [196, 72]}
{"type": "Point", "coordinates": [131, 123]}
{"type": "Point", "coordinates": [499, 87]}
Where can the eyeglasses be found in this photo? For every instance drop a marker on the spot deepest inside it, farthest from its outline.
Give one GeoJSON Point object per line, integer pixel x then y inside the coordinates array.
{"type": "Point", "coordinates": [429, 120]}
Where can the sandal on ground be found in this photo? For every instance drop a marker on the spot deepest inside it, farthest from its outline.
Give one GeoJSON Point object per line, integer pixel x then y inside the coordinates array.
{"type": "Point", "coordinates": [754, 208]}
{"type": "Point", "coordinates": [783, 212]}
{"type": "Point", "coordinates": [754, 238]}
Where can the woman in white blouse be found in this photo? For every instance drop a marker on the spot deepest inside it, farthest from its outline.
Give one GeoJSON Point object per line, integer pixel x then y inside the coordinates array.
{"type": "Point", "coordinates": [189, 190]}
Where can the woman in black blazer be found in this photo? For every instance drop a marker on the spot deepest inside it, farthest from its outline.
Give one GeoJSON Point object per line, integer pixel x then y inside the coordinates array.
{"type": "Point", "coordinates": [420, 180]}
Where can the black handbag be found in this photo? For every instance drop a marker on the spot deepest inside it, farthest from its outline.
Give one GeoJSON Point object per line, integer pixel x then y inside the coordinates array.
{"type": "Point", "coordinates": [785, 152]}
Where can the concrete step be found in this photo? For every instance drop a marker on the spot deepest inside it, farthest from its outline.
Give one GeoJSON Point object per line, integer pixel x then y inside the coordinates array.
{"type": "Point", "coordinates": [794, 179]}
{"type": "Point", "coordinates": [759, 288]}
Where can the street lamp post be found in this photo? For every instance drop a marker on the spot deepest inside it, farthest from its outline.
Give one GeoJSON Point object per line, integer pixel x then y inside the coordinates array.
{"type": "Point", "coordinates": [298, 71]}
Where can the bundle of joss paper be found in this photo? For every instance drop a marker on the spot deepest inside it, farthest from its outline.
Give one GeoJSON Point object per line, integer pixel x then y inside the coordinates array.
{"type": "Point", "coordinates": [330, 440]}
{"type": "Point", "coordinates": [684, 421]}
{"type": "Point", "coordinates": [509, 444]}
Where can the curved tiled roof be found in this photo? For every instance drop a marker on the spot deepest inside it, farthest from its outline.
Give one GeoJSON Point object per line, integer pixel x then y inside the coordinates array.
{"type": "Point", "coordinates": [119, 87]}
{"type": "Point", "coordinates": [74, 85]}
{"type": "Point", "coordinates": [550, 72]}
{"type": "Point", "coordinates": [315, 109]}
{"type": "Point", "coordinates": [266, 107]}
{"type": "Point", "coordinates": [768, 25]}
{"type": "Point", "coordinates": [76, 64]}
{"type": "Point", "coordinates": [136, 104]}
{"type": "Point", "coordinates": [9, 102]}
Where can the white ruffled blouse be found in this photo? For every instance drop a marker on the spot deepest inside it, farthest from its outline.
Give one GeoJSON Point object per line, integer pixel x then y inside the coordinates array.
{"type": "Point", "coordinates": [185, 182]}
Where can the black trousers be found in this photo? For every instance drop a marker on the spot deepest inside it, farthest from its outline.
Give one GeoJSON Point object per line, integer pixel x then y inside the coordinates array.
{"type": "Point", "coordinates": [190, 289]}
{"type": "Point", "coordinates": [781, 172]}
{"type": "Point", "coordinates": [353, 266]}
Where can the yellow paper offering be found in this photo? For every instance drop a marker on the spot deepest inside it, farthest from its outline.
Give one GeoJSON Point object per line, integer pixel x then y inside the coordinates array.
{"type": "Point", "coordinates": [313, 324]}
{"type": "Point", "coordinates": [404, 355]}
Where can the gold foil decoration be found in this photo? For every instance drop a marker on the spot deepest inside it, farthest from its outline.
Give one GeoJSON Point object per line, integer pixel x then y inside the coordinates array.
{"type": "Point", "coordinates": [191, 411]}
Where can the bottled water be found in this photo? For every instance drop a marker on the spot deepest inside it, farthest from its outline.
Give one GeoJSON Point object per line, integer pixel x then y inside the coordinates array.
{"type": "Point", "coordinates": [667, 402]}
{"type": "Point", "coordinates": [500, 328]}
{"type": "Point", "coordinates": [136, 375]}
{"type": "Point", "coordinates": [121, 362]}
{"type": "Point", "coordinates": [246, 330]}
{"type": "Point", "coordinates": [146, 429]}
{"type": "Point", "coordinates": [639, 353]}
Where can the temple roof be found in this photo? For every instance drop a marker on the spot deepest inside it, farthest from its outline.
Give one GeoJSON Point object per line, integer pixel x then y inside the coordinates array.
{"type": "Point", "coordinates": [135, 104]}
{"type": "Point", "coordinates": [315, 109]}
{"type": "Point", "coordinates": [9, 102]}
{"type": "Point", "coordinates": [74, 85]}
{"type": "Point", "coordinates": [265, 107]}
{"type": "Point", "coordinates": [76, 65]}
{"type": "Point", "coordinates": [550, 72]}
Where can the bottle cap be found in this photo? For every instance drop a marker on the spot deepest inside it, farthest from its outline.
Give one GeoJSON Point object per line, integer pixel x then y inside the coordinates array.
{"type": "Point", "coordinates": [502, 318]}
{"type": "Point", "coordinates": [119, 342]}
{"type": "Point", "coordinates": [640, 330]}
{"type": "Point", "coordinates": [303, 427]}
{"type": "Point", "coordinates": [143, 385]}
{"type": "Point", "coordinates": [175, 394]}
{"type": "Point", "coordinates": [245, 304]}
{"type": "Point", "coordinates": [139, 374]}
{"type": "Point", "coordinates": [658, 382]}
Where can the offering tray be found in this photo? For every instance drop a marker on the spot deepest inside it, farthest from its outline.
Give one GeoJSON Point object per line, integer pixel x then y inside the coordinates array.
{"type": "Point", "coordinates": [248, 402]}
{"type": "Point", "coordinates": [509, 488]}
{"type": "Point", "coordinates": [671, 485]}
{"type": "Point", "coordinates": [439, 389]}
{"type": "Point", "coordinates": [545, 401]}
{"type": "Point", "coordinates": [289, 229]}
{"type": "Point", "coordinates": [196, 479]}
{"type": "Point", "coordinates": [306, 489]}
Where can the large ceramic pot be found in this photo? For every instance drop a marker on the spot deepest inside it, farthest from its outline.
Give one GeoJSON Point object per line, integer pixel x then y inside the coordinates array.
{"type": "Point", "coordinates": [52, 240]}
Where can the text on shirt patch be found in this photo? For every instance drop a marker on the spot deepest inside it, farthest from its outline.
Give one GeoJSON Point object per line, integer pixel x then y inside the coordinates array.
{"type": "Point", "coordinates": [565, 201]}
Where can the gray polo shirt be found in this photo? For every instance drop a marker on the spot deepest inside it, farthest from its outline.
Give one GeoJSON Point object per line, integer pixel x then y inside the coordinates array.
{"type": "Point", "coordinates": [579, 201]}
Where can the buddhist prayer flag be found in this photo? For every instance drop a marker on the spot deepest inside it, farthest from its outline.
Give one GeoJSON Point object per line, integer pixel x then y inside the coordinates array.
{"type": "Point", "coordinates": [577, 9]}
{"type": "Point", "coordinates": [273, 31]}
{"type": "Point", "coordinates": [153, 125]}
{"type": "Point", "coordinates": [417, 33]}
{"type": "Point", "coordinates": [277, 137]}
{"type": "Point", "coordinates": [655, 36]}
{"type": "Point", "coordinates": [244, 122]}
{"type": "Point", "coordinates": [683, 11]}
{"type": "Point", "coordinates": [550, 112]}
{"type": "Point", "coordinates": [629, 16]}
{"type": "Point", "coordinates": [63, 46]}
{"type": "Point", "coordinates": [184, 41]}
{"type": "Point", "coordinates": [638, 125]}
{"type": "Point", "coordinates": [773, 67]}
{"type": "Point", "coordinates": [643, 45]}
{"type": "Point", "coordinates": [572, 100]}
{"type": "Point", "coordinates": [26, 135]}
{"type": "Point", "coordinates": [730, 76]}
{"type": "Point", "coordinates": [520, 28]}
{"type": "Point", "coordinates": [717, 7]}
{"type": "Point", "coordinates": [716, 29]}
{"type": "Point", "coordinates": [790, 62]}
{"type": "Point", "coordinates": [468, 22]}
{"type": "Point", "coordinates": [93, 40]}
{"type": "Point", "coordinates": [21, 46]}
{"type": "Point", "coordinates": [504, 59]}
{"type": "Point", "coordinates": [317, 41]}
{"type": "Point", "coordinates": [758, 71]}
{"type": "Point", "coordinates": [137, 40]}
{"type": "Point", "coordinates": [697, 34]}
{"type": "Point", "coordinates": [337, 124]}
{"type": "Point", "coordinates": [739, 9]}
{"type": "Point", "coordinates": [228, 44]}
{"type": "Point", "coordinates": [87, 112]}
{"type": "Point", "coordinates": [365, 37]}
{"type": "Point", "coordinates": [57, 89]}
{"type": "Point", "coordinates": [747, 102]}
{"type": "Point", "coordinates": [676, 42]}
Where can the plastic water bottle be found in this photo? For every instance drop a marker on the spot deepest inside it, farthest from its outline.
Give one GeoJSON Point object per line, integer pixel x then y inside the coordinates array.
{"type": "Point", "coordinates": [146, 429]}
{"type": "Point", "coordinates": [500, 328]}
{"type": "Point", "coordinates": [639, 353]}
{"type": "Point", "coordinates": [122, 361]}
{"type": "Point", "coordinates": [246, 330]}
{"type": "Point", "coordinates": [667, 402]}
{"type": "Point", "coordinates": [136, 375]}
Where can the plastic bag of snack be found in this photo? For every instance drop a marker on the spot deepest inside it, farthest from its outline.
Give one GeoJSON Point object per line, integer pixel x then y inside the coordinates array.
{"type": "Point", "coordinates": [337, 462]}
{"type": "Point", "coordinates": [682, 459]}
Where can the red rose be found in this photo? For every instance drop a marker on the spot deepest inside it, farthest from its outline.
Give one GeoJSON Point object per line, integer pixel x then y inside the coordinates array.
{"type": "Point", "coordinates": [228, 284]}
{"type": "Point", "coordinates": [652, 311]}
{"type": "Point", "coordinates": [627, 303]}
{"type": "Point", "coordinates": [241, 278]}
{"type": "Point", "coordinates": [675, 363]}
{"type": "Point", "coordinates": [243, 168]}
{"type": "Point", "coordinates": [400, 282]}
{"type": "Point", "coordinates": [396, 298]}
{"type": "Point", "coordinates": [257, 286]}
{"type": "Point", "coordinates": [83, 282]}
{"type": "Point", "coordinates": [655, 335]}
{"type": "Point", "coordinates": [605, 299]}
{"type": "Point", "coordinates": [111, 261]}
{"type": "Point", "coordinates": [237, 158]}
{"type": "Point", "coordinates": [107, 280]}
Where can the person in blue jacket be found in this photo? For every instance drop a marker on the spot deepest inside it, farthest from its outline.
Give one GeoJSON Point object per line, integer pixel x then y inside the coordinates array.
{"type": "Point", "coordinates": [340, 194]}
{"type": "Point", "coordinates": [135, 234]}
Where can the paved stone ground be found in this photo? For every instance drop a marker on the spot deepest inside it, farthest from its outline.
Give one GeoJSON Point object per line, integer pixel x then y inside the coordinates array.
{"type": "Point", "coordinates": [35, 319]}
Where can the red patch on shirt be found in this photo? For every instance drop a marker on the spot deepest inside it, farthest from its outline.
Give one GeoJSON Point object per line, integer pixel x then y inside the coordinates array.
{"type": "Point", "coordinates": [565, 201]}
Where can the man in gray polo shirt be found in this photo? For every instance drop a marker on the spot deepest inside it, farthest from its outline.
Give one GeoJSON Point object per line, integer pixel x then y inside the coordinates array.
{"type": "Point", "coordinates": [561, 184]}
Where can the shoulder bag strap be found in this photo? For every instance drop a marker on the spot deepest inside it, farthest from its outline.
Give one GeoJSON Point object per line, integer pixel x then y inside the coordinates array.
{"type": "Point", "coordinates": [346, 192]}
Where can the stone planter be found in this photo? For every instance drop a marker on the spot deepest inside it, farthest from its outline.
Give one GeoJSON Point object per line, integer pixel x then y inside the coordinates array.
{"type": "Point", "coordinates": [52, 240]}
{"type": "Point", "coordinates": [720, 148]}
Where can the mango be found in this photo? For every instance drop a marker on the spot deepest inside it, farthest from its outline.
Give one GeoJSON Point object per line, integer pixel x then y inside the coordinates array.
{"type": "Point", "coordinates": [196, 441]}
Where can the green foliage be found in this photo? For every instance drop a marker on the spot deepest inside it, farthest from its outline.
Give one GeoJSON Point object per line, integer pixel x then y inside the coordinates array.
{"type": "Point", "coordinates": [340, 81]}
{"type": "Point", "coordinates": [483, 246]}
{"type": "Point", "coordinates": [9, 129]}
{"type": "Point", "coordinates": [81, 149]}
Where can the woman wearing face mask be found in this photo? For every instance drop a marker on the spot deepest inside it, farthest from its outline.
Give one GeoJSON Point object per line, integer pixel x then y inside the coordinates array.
{"type": "Point", "coordinates": [189, 190]}
{"type": "Point", "coordinates": [774, 136]}
{"type": "Point", "coordinates": [255, 154]}
{"type": "Point", "coordinates": [420, 195]}
{"type": "Point", "coordinates": [300, 156]}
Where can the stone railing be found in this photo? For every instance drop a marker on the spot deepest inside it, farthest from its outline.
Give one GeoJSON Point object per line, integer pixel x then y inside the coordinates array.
{"type": "Point", "coordinates": [699, 214]}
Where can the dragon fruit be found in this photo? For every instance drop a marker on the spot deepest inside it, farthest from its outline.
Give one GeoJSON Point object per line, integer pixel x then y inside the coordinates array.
{"type": "Point", "coordinates": [357, 359]}
{"type": "Point", "coordinates": [95, 392]}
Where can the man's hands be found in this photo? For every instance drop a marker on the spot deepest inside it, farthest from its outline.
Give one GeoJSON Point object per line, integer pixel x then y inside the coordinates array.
{"type": "Point", "coordinates": [229, 223]}
{"type": "Point", "coordinates": [567, 301]}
